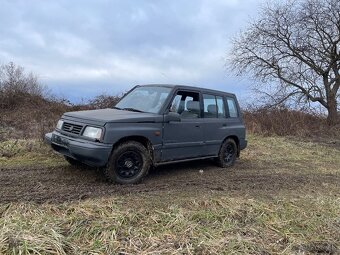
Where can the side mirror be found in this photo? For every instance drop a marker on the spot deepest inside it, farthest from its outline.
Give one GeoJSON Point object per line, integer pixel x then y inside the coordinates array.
{"type": "Point", "coordinates": [172, 116]}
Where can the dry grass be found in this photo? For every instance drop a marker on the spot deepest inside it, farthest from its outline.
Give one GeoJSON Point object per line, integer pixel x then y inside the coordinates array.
{"type": "Point", "coordinates": [27, 152]}
{"type": "Point", "coordinates": [29, 116]}
{"type": "Point", "coordinates": [289, 154]}
{"type": "Point", "coordinates": [305, 221]}
{"type": "Point", "coordinates": [139, 225]}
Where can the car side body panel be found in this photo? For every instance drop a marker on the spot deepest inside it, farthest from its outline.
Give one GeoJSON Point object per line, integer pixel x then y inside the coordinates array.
{"type": "Point", "coordinates": [150, 131]}
{"type": "Point", "coordinates": [183, 139]}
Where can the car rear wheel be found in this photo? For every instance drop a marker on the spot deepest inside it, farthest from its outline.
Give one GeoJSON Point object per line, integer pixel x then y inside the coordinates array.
{"type": "Point", "coordinates": [128, 164]}
{"type": "Point", "coordinates": [228, 153]}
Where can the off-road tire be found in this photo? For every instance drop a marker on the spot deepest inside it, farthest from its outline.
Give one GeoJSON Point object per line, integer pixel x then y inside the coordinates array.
{"type": "Point", "coordinates": [130, 151]}
{"type": "Point", "coordinates": [227, 154]}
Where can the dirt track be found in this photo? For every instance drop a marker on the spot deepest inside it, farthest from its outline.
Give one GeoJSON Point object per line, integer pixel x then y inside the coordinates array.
{"type": "Point", "coordinates": [41, 184]}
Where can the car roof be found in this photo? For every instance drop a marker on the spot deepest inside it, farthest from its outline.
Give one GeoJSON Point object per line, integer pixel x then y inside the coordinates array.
{"type": "Point", "coordinates": [186, 87]}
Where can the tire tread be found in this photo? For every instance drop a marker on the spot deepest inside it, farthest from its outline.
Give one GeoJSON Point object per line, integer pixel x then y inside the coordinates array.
{"type": "Point", "coordinates": [109, 171]}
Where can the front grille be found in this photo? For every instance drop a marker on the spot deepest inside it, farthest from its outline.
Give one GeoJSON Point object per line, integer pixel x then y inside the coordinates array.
{"type": "Point", "coordinates": [72, 128]}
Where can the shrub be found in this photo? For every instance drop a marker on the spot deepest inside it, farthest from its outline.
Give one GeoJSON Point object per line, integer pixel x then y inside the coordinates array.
{"type": "Point", "coordinates": [283, 121]}
{"type": "Point", "coordinates": [103, 101]}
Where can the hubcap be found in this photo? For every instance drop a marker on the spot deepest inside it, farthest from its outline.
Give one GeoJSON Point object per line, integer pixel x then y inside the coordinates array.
{"type": "Point", "coordinates": [129, 164]}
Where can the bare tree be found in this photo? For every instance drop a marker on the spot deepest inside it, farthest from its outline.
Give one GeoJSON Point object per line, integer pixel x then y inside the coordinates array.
{"type": "Point", "coordinates": [13, 79]}
{"type": "Point", "coordinates": [295, 46]}
{"type": "Point", "coordinates": [16, 84]}
{"type": "Point", "coordinates": [103, 101]}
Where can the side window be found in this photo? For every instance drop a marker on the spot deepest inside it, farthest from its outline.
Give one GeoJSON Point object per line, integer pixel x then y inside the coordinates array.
{"type": "Point", "coordinates": [213, 106]}
{"type": "Point", "coordinates": [233, 113]}
{"type": "Point", "coordinates": [210, 107]}
{"type": "Point", "coordinates": [187, 99]}
{"type": "Point", "coordinates": [220, 107]}
{"type": "Point", "coordinates": [175, 103]}
{"type": "Point", "coordinates": [186, 104]}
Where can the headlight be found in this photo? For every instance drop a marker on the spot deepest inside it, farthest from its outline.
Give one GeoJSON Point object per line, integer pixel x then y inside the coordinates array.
{"type": "Point", "coordinates": [60, 124]}
{"type": "Point", "coordinates": [93, 132]}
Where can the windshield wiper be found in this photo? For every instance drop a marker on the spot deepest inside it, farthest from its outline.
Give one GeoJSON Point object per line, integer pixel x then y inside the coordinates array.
{"type": "Point", "coordinates": [131, 109]}
{"type": "Point", "coordinates": [117, 108]}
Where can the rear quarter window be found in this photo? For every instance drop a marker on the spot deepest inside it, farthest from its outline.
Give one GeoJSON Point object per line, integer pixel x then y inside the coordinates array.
{"type": "Point", "coordinates": [232, 108]}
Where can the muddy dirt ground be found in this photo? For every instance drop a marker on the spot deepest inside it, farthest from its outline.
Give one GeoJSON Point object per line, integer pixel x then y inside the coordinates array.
{"type": "Point", "coordinates": [60, 184]}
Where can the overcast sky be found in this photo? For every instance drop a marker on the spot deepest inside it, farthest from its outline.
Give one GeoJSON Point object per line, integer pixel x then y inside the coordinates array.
{"type": "Point", "coordinates": [84, 48]}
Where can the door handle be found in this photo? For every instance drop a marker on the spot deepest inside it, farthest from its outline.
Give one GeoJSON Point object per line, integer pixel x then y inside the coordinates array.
{"type": "Point", "coordinates": [197, 126]}
{"type": "Point", "coordinates": [224, 125]}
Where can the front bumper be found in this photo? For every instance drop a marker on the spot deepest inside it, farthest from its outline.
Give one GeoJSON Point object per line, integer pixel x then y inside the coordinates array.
{"type": "Point", "coordinates": [87, 152]}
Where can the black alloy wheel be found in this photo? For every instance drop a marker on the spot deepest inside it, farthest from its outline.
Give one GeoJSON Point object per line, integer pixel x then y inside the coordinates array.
{"type": "Point", "coordinates": [129, 163]}
{"type": "Point", "coordinates": [228, 153]}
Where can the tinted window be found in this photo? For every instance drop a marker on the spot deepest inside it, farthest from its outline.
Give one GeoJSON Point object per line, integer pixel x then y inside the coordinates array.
{"type": "Point", "coordinates": [213, 106]}
{"type": "Point", "coordinates": [233, 113]}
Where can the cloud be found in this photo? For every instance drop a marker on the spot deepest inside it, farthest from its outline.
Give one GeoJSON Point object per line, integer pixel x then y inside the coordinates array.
{"type": "Point", "coordinates": [68, 45]}
{"type": "Point", "coordinates": [103, 42]}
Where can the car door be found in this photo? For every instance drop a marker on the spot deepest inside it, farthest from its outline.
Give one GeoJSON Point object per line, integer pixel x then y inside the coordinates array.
{"type": "Point", "coordinates": [184, 139]}
{"type": "Point", "coordinates": [215, 127]}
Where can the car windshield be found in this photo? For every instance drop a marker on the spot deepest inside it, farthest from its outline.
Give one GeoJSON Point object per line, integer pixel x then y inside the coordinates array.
{"type": "Point", "coordinates": [144, 99]}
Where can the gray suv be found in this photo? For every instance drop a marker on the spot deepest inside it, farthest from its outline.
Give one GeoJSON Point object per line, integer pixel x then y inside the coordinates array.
{"type": "Point", "coordinates": [150, 126]}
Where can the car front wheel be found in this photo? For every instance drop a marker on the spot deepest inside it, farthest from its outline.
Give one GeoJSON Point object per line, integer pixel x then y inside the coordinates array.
{"type": "Point", "coordinates": [128, 164]}
{"type": "Point", "coordinates": [228, 153]}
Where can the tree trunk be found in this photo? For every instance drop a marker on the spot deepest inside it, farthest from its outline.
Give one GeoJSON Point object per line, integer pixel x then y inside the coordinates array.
{"type": "Point", "coordinates": [332, 117]}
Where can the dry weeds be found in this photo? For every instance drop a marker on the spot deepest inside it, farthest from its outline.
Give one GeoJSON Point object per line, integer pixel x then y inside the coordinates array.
{"type": "Point", "coordinates": [187, 221]}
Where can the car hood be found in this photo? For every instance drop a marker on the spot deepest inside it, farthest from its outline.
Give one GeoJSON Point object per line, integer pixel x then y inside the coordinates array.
{"type": "Point", "coordinates": [104, 116]}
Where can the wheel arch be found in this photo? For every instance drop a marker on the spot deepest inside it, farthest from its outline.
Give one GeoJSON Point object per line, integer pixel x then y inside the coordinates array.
{"type": "Point", "coordinates": [141, 139]}
{"type": "Point", "coordinates": [237, 141]}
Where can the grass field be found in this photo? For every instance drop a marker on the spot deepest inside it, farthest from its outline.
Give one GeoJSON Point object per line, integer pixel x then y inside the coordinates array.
{"type": "Point", "coordinates": [282, 197]}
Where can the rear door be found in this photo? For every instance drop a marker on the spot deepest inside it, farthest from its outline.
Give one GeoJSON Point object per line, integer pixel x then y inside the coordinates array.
{"type": "Point", "coordinates": [184, 139]}
{"type": "Point", "coordinates": [215, 127]}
